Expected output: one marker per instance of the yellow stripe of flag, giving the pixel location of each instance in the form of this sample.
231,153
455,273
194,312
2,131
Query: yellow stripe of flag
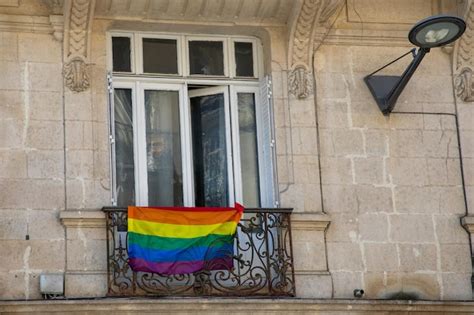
181,230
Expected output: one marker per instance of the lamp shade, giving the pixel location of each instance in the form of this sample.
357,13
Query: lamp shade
436,31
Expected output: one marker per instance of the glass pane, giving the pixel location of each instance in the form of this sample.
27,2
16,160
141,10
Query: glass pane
248,149
209,150
206,57
125,169
163,148
243,59
160,55
121,54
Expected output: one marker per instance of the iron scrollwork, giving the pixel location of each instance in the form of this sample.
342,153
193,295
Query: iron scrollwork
262,261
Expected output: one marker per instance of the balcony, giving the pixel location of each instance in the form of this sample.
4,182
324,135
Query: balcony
263,261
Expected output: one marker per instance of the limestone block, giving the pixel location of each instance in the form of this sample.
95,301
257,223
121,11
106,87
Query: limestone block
406,143
410,199
365,114
11,134
465,117
467,141
343,228
405,122
302,197
19,285
455,258
332,58
313,285
12,225
8,46
339,198
333,114
457,286
45,77
331,86
39,48
46,164
345,282
100,106
449,230
302,113
79,135
279,84
468,167
452,200
381,257
75,194
12,254
376,142
101,164
393,286
45,106
282,136
326,143
443,171
80,163
281,113
12,164
283,169
304,140
45,135
408,171
11,105
418,257
374,199
32,194
336,171
78,105
85,284
369,171
440,144
348,142
373,227
100,136
422,87
47,255
86,254
344,257
411,228
12,75
45,225
306,169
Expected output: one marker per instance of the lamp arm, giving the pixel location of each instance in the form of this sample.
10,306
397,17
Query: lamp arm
406,76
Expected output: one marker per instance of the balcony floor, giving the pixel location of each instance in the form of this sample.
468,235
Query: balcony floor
234,306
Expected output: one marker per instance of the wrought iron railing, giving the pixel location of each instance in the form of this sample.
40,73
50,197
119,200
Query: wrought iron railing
263,261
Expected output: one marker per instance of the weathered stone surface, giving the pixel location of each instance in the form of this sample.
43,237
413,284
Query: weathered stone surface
351,254
12,164
11,105
38,48
46,135
46,164
418,258
381,257
37,194
411,228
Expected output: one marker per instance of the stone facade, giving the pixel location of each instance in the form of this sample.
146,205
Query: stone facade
378,199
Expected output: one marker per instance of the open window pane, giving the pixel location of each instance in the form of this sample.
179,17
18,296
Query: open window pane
206,57
160,56
121,54
248,149
209,151
125,169
163,148
243,59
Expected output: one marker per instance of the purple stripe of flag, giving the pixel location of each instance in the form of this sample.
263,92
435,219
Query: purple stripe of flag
180,267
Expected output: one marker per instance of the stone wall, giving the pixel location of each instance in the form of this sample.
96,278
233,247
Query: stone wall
31,156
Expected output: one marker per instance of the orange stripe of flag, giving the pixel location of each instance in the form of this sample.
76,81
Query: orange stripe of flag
182,217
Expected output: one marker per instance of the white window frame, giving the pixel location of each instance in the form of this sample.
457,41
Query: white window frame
139,47
132,52
255,55
228,84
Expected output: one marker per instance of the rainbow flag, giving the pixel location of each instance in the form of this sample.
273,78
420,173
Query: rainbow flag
170,240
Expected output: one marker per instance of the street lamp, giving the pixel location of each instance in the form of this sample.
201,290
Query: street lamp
435,31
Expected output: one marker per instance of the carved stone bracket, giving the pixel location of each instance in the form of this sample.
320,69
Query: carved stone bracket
78,15
464,59
312,14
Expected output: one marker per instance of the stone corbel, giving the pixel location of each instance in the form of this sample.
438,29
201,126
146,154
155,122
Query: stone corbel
464,59
78,15
310,15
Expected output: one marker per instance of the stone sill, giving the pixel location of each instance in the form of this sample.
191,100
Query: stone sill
232,305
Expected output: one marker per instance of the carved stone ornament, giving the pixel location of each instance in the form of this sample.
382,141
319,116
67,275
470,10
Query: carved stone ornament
300,82
312,14
464,58
78,16
76,75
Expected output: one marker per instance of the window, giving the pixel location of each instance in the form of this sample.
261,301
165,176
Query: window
189,123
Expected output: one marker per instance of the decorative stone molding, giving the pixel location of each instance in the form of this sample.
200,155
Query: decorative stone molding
25,23
468,223
310,222
312,14
78,15
464,58
82,218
